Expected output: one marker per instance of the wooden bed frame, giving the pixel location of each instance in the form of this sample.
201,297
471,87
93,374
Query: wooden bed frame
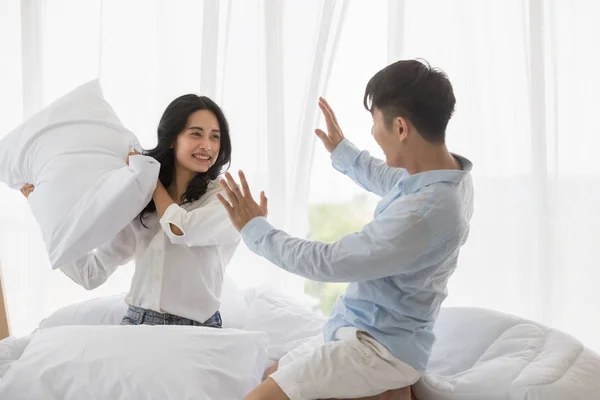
4,327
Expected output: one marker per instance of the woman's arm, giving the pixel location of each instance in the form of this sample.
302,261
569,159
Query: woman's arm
205,226
93,269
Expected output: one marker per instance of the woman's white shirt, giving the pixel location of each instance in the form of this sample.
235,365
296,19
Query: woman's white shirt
179,275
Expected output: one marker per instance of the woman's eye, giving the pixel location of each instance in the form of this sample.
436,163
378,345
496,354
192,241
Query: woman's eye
216,137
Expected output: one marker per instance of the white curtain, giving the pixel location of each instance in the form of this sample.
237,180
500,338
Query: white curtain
246,55
524,73
526,82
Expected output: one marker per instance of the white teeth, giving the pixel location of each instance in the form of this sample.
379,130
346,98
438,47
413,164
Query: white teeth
201,157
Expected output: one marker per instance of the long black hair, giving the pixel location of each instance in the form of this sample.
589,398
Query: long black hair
171,124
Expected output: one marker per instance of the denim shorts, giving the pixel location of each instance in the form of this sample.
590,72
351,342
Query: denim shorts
140,316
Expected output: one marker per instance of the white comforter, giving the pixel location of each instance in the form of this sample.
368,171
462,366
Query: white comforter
485,355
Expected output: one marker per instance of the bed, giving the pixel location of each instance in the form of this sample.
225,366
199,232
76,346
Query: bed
81,352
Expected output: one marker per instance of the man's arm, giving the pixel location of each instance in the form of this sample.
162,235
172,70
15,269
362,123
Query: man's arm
368,172
393,242
384,247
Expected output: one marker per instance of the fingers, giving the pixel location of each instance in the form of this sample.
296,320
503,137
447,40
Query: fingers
328,118
233,185
333,129
245,188
225,204
230,194
323,136
132,153
330,111
263,202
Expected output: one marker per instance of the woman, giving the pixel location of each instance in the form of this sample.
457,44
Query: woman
183,239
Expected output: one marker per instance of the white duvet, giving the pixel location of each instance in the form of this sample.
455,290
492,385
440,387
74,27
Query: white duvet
486,355
479,354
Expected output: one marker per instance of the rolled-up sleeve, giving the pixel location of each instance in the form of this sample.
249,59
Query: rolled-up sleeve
207,225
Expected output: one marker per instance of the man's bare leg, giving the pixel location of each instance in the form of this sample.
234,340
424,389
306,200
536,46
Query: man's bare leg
271,370
267,390
397,394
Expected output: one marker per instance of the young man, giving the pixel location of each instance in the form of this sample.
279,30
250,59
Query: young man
379,337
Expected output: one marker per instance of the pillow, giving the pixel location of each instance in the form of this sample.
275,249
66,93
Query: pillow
11,350
110,310
74,152
287,322
137,362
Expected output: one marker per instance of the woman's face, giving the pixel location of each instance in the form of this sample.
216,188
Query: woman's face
197,146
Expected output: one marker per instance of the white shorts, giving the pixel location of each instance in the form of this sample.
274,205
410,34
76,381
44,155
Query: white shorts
355,365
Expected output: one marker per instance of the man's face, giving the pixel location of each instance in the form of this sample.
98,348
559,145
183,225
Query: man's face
389,138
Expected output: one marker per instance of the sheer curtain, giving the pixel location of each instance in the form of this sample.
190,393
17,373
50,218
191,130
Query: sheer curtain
246,55
527,94
524,73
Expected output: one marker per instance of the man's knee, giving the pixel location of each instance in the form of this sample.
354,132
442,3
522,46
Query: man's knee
268,390
271,370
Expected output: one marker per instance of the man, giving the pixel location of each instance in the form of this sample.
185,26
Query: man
379,337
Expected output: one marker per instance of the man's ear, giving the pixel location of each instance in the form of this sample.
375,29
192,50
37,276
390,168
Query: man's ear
401,127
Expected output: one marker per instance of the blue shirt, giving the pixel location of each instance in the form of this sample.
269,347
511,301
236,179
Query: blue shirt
398,264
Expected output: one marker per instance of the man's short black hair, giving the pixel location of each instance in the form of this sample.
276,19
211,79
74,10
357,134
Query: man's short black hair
413,90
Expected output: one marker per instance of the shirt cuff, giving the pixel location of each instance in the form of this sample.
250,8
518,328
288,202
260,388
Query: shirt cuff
344,155
254,231
173,215
139,162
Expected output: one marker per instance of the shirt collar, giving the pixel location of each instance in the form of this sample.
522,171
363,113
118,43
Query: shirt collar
414,183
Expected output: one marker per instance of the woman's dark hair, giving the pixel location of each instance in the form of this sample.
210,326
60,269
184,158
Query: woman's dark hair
415,91
171,124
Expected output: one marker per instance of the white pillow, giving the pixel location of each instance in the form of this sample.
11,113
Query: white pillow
137,362
74,151
287,322
110,310
11,350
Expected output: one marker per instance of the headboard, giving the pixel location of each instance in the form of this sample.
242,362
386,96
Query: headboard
4,328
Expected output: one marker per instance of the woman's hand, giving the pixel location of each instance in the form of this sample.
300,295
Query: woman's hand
132,153
27,189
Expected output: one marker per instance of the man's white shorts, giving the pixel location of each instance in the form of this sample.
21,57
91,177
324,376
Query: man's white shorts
355,365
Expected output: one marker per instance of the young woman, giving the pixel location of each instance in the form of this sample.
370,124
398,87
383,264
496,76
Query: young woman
183,239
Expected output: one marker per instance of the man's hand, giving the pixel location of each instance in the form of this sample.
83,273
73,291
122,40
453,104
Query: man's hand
241,206
27,189
334,133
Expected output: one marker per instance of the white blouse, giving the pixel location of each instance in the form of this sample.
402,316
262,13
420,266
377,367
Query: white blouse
179,275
